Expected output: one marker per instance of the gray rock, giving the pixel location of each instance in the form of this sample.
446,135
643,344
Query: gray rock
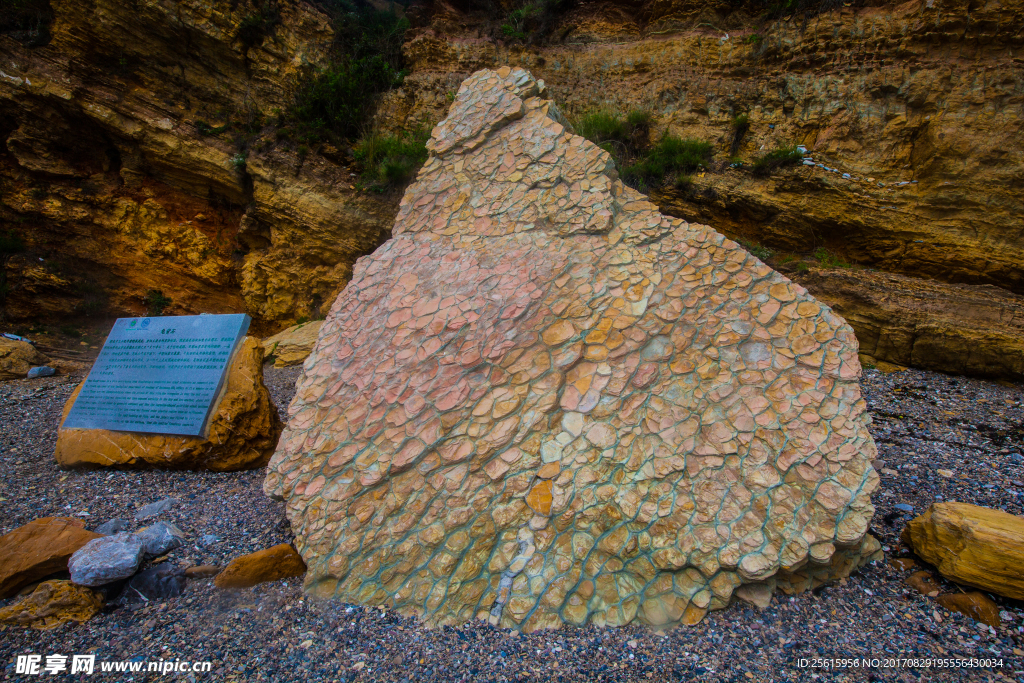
105,560
904,507
1016,457
41,371
808,162
111,527
154,509
208,539
156,583
160,538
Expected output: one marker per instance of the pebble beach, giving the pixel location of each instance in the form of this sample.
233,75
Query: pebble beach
938,437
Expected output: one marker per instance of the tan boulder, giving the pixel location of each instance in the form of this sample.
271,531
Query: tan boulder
269,564
242,434
51,604
292,346
38,549
972,545
544,402
17,358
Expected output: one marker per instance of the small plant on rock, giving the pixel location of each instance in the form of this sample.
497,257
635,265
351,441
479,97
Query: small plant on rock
768,163
156,302
391,160
740,126
761,252
828,259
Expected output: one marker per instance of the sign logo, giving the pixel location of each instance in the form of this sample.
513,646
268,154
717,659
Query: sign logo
145,323
132,324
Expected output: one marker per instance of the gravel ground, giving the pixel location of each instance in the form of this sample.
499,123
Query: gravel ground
971,430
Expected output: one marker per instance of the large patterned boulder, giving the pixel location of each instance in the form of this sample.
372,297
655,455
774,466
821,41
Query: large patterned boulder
543,402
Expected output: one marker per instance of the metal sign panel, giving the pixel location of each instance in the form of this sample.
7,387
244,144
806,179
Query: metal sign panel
159,375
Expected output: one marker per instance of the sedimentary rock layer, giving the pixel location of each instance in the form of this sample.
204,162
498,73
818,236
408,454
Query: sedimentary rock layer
544,402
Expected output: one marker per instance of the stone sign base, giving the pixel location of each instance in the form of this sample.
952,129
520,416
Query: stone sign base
242,435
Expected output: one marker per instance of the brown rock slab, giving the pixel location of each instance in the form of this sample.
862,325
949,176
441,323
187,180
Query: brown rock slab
203,571
971,545
270,564
544,402
241,435
975,604
17,358
38,549
52,604
924,583
293,345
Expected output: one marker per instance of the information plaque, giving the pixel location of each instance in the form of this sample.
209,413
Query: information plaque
159,375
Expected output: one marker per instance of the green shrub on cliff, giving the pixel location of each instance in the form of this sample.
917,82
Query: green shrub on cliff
667,159
532,21
367,61
643,165
391,160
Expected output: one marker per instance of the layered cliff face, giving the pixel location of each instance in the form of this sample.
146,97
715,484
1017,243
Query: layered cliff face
137,158
140,152
913,109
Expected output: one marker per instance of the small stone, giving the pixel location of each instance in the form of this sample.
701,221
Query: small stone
208,540
154,509
203,571
271,564
923,582
17,357
293,345
945,473
156,583
904,507
106,559
160,538
41,371
112,526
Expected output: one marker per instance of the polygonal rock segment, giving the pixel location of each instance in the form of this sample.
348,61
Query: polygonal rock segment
543,402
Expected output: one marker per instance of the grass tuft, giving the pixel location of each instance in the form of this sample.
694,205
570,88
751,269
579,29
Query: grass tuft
391,160
768,163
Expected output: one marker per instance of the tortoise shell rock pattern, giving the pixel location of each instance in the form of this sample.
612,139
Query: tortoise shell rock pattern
543,402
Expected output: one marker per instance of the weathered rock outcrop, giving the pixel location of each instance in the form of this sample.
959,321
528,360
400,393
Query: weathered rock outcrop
17,358
134,161
141,154
40,548
962,329
242,433
52,604
916,101
972,545
544,402
292,346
